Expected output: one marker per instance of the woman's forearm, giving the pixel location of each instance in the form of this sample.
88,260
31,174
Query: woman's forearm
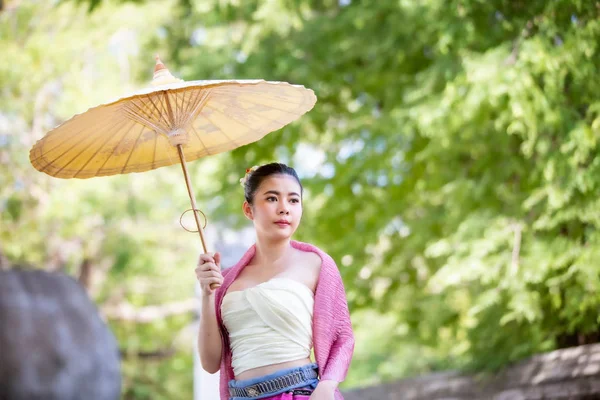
209,336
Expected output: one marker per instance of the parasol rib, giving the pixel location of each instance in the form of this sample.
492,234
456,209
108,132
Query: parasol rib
144,118
156,138
169,109
188,103
158,110
115,148
133,149
201,141
99,148
148,124
199,103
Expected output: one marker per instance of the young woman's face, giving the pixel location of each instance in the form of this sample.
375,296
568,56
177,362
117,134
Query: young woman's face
277,207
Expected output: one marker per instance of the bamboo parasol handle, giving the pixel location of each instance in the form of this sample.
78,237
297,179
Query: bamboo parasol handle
188,184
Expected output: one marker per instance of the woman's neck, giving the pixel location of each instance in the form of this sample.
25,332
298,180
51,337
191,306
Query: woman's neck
270,252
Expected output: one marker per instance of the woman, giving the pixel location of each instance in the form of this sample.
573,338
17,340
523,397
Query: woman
258,328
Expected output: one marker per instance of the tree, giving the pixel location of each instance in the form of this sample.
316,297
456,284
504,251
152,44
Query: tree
456,145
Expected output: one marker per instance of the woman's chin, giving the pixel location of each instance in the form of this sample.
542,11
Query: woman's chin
281,233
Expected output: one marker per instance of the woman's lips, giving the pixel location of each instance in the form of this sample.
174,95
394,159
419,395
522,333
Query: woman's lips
282,223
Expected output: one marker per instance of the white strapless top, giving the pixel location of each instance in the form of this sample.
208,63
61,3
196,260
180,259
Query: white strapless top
269,323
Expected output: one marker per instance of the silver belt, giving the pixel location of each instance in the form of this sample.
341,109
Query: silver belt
274,385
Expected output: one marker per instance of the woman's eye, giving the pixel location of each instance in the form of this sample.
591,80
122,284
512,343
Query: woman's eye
295,201
272,198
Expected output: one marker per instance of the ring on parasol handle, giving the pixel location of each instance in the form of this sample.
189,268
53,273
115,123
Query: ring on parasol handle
191,209
214,285
188,185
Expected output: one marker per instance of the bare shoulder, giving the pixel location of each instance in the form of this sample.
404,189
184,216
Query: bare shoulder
309,263
309,259
314,260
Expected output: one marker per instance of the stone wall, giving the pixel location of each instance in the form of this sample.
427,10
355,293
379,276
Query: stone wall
572,373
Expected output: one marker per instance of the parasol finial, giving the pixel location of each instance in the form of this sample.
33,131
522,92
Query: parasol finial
159,64
162,75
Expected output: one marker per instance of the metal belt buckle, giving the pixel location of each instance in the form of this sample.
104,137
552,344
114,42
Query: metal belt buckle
302,392
252,391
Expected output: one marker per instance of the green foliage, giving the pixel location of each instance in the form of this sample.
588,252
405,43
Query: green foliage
451,166
456,148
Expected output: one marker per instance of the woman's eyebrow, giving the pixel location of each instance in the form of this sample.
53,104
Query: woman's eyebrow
277,193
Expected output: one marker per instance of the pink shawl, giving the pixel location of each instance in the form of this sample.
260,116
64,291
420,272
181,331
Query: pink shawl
333,338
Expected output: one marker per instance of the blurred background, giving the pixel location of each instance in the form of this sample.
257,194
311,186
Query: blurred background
451,169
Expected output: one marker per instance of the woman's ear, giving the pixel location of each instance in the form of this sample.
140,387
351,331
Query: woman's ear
247,208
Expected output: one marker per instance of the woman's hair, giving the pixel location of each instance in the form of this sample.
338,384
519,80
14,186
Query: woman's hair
256,177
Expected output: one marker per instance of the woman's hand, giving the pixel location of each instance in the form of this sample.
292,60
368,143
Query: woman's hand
208,272
325,391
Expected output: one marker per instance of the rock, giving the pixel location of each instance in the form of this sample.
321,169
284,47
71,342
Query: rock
53,343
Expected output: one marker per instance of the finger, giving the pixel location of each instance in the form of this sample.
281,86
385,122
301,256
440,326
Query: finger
208,267
216,274
204,258
217,258
203,274
213,281
208,275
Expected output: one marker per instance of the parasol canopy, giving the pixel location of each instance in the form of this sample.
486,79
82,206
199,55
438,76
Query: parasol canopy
170,122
